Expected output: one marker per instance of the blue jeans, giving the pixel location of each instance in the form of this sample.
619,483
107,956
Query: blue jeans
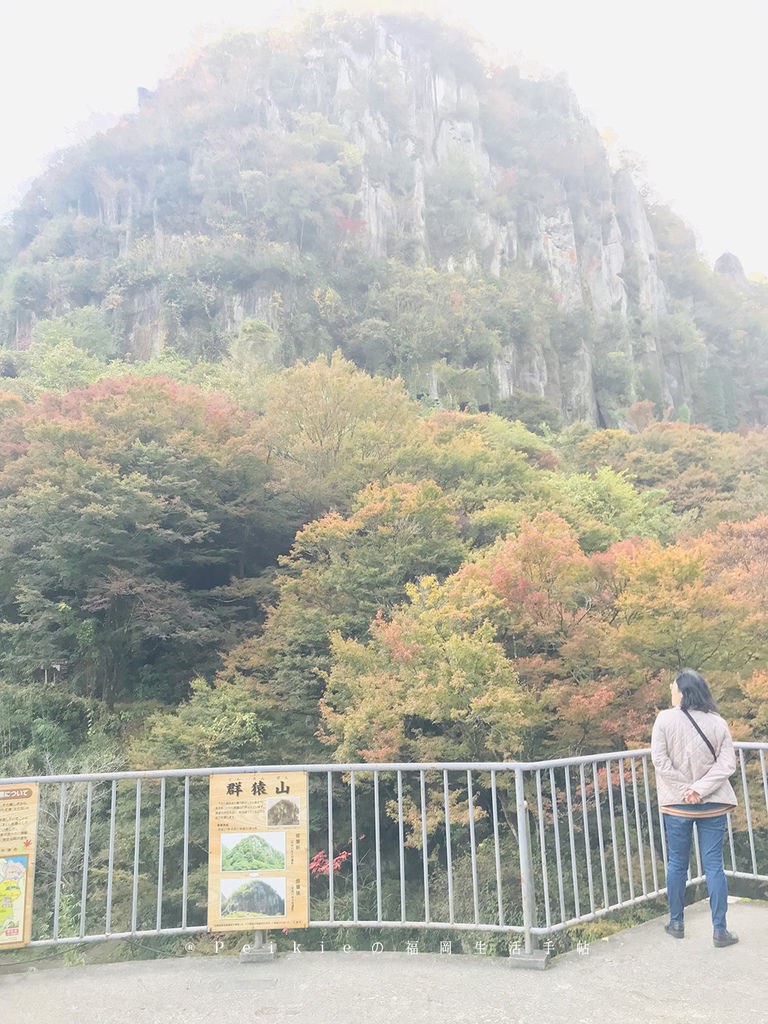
711,832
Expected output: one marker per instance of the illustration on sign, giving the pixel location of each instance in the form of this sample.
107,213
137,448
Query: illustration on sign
18,829
258,871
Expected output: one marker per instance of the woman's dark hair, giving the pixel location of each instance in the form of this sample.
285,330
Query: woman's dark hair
696,695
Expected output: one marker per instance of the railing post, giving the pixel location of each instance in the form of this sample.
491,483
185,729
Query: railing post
532,956
258,950
526,866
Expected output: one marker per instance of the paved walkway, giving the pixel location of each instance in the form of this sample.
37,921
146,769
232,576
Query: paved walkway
637,975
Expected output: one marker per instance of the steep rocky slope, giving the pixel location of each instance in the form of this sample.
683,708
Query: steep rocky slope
374,185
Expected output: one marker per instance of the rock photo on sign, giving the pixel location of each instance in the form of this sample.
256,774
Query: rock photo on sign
253,898
282,811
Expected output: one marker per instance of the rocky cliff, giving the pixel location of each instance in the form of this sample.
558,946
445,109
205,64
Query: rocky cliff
253,899
289,180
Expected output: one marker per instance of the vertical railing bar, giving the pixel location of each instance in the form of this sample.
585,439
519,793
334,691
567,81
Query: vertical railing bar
496,850
59,855
448,857
651,835
41,801
527,890
161,855
111,866
472,847
764,776
748,810
600,836
136,847
330,846
86,855
663,835
558,854
543,849
614,837
424,846
697,850
401,836
572,842
730,843
587,844
638,826
625,815
353,819
185,868
377,831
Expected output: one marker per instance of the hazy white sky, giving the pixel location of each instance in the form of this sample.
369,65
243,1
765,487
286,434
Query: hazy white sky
681,82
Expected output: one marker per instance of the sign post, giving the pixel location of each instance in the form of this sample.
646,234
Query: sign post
258,868
18,835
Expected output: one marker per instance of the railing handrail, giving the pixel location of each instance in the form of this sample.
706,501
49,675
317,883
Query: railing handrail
334,766
359,766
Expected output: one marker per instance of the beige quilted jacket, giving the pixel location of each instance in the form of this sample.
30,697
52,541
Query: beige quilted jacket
683,761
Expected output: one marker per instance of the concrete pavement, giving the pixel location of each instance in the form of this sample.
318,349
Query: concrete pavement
638,975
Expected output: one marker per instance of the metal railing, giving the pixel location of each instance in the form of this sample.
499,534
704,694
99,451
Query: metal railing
526,849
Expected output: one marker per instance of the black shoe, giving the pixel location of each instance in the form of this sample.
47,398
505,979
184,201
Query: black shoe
677,929
725,939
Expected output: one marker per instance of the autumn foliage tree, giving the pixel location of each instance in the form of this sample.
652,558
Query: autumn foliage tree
328,429
584,641
326,563
340,573
134,513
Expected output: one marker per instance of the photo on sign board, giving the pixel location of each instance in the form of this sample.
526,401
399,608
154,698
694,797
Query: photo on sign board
283,811
252,897
252,851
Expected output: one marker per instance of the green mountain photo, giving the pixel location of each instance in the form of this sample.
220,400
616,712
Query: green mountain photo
254,852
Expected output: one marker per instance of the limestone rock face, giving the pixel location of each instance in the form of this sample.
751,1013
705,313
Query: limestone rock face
453,165
255,897
583,245
639,242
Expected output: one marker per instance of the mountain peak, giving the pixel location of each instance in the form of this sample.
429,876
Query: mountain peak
371,184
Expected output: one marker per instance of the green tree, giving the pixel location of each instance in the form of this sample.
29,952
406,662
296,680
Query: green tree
136,522
86,327
328,429
606,508
340,573
423,689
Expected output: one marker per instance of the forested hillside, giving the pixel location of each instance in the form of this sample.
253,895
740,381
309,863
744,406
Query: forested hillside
458,586
352,407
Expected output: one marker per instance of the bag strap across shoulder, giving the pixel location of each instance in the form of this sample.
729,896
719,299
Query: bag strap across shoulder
692,720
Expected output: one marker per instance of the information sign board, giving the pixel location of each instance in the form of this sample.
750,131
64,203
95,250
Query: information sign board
258,867
18,832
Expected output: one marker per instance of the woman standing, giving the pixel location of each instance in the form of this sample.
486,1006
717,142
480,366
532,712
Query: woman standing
693,755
